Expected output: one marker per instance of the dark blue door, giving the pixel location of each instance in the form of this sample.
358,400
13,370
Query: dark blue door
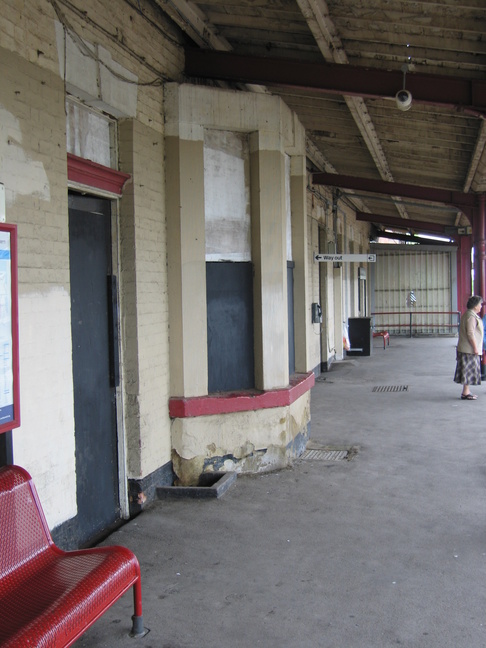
94,391
229,291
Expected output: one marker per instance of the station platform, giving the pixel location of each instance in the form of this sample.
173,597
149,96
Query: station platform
374,538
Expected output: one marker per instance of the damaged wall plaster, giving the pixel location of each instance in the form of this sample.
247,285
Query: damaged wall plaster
275,437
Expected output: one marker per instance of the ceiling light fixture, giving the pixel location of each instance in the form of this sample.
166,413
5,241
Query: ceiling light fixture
403,97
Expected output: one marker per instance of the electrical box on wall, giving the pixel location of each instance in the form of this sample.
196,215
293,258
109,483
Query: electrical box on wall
2,203
316,314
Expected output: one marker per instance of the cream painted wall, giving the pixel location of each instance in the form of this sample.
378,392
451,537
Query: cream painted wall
144,299
44,444
257,440
33,170
335,288
272,129
227,196
142,230
186,257
270,266
314,270
299,239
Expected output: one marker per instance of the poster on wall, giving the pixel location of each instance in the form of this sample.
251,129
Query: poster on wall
9,346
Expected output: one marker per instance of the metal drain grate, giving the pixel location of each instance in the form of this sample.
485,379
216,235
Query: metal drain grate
325,455
390,388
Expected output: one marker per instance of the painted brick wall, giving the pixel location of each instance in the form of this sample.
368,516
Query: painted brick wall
352,237
33,169
27,29
143,250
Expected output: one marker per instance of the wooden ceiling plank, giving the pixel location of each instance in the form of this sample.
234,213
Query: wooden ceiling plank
216,15
372,4
429,141
221,21
277,4
387,54
193,22
270,39
412,40
433,22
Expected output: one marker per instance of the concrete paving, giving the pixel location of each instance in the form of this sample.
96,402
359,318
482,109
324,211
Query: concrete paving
385,549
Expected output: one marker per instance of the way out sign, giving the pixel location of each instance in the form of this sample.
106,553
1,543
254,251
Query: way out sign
343,258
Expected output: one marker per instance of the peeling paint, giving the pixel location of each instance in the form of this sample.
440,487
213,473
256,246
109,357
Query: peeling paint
16,165
187,471
242,442
274,457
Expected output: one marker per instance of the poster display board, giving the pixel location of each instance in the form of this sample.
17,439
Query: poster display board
9,337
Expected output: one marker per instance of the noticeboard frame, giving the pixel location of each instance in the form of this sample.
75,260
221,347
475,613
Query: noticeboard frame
9,330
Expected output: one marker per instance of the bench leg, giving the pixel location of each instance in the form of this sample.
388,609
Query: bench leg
138,629
385,337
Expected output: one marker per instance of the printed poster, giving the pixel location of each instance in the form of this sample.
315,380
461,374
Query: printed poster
6,356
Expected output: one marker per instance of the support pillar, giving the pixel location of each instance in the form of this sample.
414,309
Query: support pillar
464,268
186,264
479,234
300,243
269,247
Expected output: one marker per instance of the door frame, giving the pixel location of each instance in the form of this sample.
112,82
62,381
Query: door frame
119,390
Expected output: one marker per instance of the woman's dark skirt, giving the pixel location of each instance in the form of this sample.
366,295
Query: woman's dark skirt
468,369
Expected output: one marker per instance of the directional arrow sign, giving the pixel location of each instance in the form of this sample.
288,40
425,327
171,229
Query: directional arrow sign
343,258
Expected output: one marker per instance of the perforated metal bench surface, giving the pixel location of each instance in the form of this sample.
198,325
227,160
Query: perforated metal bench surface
50,597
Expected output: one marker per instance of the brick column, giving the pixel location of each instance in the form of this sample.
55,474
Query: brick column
298,205
187,265
269,248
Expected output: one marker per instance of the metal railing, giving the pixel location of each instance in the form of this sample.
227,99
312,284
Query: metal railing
406,321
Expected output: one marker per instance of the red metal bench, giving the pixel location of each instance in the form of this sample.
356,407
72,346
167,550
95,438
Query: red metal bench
50,597
385,335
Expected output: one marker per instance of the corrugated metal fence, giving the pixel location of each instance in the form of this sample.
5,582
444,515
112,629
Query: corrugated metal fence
413,291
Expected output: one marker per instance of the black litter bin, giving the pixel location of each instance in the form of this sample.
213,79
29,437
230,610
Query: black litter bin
360,336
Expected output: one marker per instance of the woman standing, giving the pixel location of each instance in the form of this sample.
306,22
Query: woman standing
470,348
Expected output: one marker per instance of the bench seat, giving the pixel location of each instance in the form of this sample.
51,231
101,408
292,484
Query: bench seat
50,597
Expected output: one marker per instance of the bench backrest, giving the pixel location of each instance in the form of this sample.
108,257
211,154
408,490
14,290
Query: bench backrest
24,533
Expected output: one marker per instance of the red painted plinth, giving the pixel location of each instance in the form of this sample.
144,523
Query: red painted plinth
241,401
